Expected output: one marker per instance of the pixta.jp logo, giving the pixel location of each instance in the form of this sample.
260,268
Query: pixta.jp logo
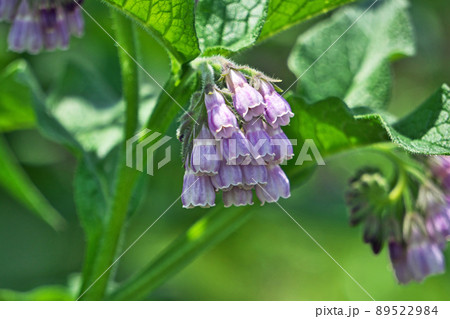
141,148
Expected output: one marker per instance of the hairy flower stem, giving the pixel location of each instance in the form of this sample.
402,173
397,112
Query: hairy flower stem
107,246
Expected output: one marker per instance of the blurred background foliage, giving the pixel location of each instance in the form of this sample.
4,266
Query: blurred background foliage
269,258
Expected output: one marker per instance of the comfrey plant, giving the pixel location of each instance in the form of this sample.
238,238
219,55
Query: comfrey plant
238,132
38,25
236,145
412,217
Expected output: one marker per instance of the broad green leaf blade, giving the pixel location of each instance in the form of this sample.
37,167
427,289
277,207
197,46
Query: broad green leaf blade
427,129
334,128
16,109
170,21
283,14
228,25
15,181
93,117
356,68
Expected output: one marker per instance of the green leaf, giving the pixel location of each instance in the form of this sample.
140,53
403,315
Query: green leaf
427,129
229,25
15,181
356,68
169,21
16,110
93,117
334,128
46,293
283,14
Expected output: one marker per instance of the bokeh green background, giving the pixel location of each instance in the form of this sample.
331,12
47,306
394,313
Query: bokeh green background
270,257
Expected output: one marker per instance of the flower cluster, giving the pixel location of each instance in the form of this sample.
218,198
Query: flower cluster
416,233
42,24
239,146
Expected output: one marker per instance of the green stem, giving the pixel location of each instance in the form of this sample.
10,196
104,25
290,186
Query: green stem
97,280
204,234
125,35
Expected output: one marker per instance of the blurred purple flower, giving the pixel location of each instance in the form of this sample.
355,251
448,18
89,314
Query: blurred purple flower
440,166
44,25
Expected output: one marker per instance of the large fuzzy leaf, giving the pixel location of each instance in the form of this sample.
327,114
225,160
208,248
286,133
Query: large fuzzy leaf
170,21
283,14
229,25
356,67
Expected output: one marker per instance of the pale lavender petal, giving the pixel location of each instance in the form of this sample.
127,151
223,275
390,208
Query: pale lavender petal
205,156
221,120
197,191
397,254
277,186
278,111
236,149
253,175
260,143
20,33
7,9
229,176
281,145
238,197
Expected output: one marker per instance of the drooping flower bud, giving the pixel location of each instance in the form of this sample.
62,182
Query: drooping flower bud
247,101
221,120
25,34
366,195
197,190
277,185
281,145
436,208
373,233
205,157
7,9
75,19
55,31
260,142
236,149
228,176
398,256
38,25
440,166
278,111
253,175
238,197
438,222
424,257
